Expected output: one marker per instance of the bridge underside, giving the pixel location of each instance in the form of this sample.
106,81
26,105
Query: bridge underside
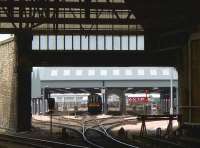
100,84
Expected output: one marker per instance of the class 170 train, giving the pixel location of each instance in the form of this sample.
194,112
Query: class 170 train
94,104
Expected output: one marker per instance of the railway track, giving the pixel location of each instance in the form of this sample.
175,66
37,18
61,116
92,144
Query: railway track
94,131
36,143
98,137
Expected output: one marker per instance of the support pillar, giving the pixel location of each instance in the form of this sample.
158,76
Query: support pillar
35,106
123,102
119,92
189,81
45,106
23,41
44,96
24,100
39,106
105,104
32,110
177,101
171,93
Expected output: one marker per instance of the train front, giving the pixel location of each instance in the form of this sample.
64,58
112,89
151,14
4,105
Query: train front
94,104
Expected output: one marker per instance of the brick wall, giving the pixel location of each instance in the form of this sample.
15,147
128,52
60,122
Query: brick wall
8,84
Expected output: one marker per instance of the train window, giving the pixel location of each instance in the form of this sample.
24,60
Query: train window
96,99
99,99
90,100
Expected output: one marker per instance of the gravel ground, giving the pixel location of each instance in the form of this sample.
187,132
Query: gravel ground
134,129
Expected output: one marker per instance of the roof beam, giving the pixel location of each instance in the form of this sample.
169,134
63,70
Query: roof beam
99,58
67,20
48,31
55,4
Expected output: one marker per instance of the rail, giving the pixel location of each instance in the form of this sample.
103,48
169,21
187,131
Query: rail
38,143
105,135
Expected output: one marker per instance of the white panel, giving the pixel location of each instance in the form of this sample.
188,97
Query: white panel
116,42
84,42
124,42
165,72
140,72
103,72
79,72
116,72
76,42
101,42
67,72
52,42
109,43
91,72
92,42
132,42
43,42
35,43
68,42
60,42
54,73
140,42
128,72
153,72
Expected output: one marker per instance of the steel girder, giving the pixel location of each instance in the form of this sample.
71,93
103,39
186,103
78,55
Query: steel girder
85,17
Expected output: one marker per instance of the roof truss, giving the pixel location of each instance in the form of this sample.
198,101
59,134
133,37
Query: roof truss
67,16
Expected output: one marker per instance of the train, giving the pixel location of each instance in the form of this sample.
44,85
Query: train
94,104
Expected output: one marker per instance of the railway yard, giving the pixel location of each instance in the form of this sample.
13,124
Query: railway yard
99,131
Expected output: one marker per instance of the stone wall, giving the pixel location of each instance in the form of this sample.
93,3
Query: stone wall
8,89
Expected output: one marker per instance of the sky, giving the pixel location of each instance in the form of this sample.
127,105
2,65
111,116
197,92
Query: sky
4,36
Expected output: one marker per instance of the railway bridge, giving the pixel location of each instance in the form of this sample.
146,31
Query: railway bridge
107,81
